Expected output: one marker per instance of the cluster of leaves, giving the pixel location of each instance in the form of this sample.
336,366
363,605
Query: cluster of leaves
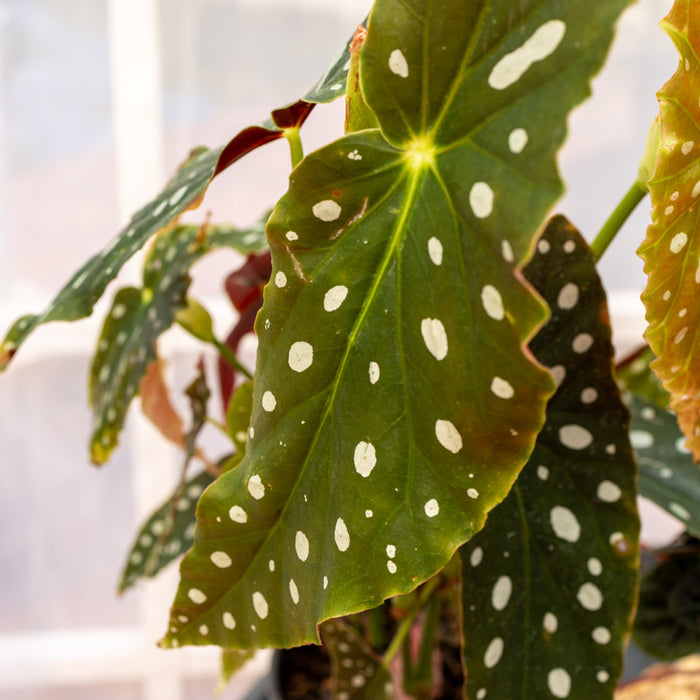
434,418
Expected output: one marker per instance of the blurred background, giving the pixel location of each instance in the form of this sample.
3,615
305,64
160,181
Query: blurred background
99,102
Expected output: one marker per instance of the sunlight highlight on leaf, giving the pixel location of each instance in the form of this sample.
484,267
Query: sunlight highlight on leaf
671,251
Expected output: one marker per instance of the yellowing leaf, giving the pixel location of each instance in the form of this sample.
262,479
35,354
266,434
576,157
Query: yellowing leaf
671,250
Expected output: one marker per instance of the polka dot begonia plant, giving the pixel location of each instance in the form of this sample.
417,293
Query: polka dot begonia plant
431,470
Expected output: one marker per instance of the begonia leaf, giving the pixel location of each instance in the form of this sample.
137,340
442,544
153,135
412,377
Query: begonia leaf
394,404
127,344
667,474
634,375
671,251
166,534
549,583
157,406
358,673
667,624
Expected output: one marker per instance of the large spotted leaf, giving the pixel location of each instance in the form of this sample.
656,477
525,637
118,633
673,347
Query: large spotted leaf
394,405
671,250
127,344
667,474
184,191
549,583
166,534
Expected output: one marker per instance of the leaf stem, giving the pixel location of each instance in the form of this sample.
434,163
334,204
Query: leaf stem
627,205
295,146
231,359
406,624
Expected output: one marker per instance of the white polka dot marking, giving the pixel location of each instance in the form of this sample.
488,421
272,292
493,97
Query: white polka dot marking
590,597
517,140
269,402
609,492
292,236
494,652
256,488
550,624
431,508
335,297
196,596
641,439
221,559
601,635
582,343
398,64
500,596
502,389
327,210
540,45
229,621
595,567
341,535
280,280
589,395
476,556
448,436
678,242
492,302
679,511
481,198
435,251
260,605
575,437
301,544
374,372
568,296
602,676
507,251
365,458
293,591
434,337
559,683
565,524
301,356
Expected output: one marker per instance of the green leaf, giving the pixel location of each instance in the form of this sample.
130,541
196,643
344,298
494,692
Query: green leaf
238,415
672,245
127,343
667,624
358,673
196,320
549,584
634,375
166,535
394,405
232,661
667,474
137,317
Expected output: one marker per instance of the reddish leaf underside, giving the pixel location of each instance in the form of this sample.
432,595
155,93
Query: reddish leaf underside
671,251
549,583
394,405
